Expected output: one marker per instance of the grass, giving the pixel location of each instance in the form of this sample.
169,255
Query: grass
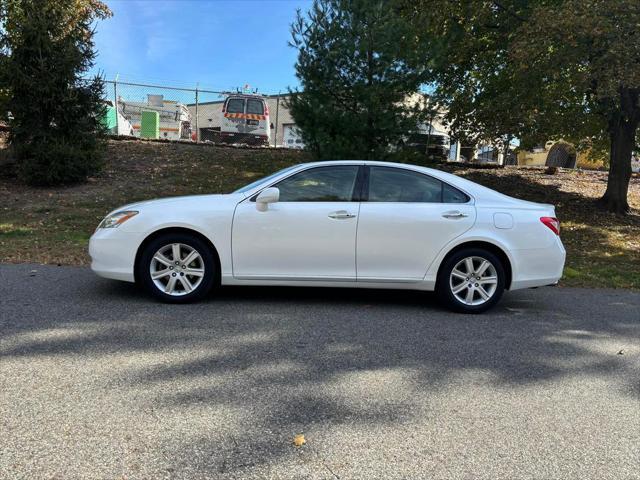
9,230
53,225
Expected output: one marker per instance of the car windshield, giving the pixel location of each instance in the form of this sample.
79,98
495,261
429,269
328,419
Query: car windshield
252,185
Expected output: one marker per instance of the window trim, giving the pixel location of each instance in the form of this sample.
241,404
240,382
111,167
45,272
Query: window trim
356,192
365,196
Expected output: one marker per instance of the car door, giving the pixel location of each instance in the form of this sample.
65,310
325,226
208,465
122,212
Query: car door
309,234
406,218
233,117
256,119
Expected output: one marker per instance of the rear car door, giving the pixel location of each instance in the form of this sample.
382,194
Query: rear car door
405,219
257,119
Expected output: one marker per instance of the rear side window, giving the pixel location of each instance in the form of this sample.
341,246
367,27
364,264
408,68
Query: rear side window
323,184
405,186
235,105
453,195
255,106
398,185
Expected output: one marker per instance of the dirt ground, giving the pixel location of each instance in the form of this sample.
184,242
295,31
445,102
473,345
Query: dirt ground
53,225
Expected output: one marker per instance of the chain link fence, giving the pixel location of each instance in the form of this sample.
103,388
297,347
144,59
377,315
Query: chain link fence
240,117
198,115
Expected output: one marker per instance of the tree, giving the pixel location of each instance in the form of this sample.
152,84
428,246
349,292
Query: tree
355,78
540,70
55,128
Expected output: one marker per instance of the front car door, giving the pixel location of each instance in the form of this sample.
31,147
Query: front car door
406,218
309,234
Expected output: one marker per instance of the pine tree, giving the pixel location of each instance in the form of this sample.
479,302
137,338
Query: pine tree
355,88
55,128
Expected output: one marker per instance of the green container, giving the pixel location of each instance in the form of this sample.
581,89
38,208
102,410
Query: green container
150,125
109,119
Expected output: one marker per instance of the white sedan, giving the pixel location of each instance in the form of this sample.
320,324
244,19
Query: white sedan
337,224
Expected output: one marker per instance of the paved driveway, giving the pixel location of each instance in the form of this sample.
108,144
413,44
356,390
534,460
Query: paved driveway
97,381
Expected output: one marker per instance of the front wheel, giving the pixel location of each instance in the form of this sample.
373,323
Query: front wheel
471,281
177,268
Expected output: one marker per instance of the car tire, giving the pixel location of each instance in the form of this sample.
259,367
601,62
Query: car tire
473,292
184,278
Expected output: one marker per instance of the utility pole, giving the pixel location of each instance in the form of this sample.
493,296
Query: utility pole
197,124
275,135
115,102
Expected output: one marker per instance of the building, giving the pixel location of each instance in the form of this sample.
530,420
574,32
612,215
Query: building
209,113
283,131
174,117
490,154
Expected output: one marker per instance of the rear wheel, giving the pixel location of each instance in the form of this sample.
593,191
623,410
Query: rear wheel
177,268
471,280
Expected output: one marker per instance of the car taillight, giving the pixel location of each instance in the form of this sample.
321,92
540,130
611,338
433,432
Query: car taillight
553,223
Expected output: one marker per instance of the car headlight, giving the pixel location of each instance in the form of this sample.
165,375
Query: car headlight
116,219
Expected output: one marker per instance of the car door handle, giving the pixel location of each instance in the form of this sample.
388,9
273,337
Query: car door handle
454,215
340,214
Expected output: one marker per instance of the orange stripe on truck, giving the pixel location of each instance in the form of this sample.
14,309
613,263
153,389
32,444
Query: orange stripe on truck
250,116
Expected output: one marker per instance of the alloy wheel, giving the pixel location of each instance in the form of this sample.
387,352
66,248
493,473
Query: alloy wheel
177,269
473,280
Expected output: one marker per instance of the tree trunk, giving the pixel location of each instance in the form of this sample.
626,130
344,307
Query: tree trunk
622,132
372,140
507,150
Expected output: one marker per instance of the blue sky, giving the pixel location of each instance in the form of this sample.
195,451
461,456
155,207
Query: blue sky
220,44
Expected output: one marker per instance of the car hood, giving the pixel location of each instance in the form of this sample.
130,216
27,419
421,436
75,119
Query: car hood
186,199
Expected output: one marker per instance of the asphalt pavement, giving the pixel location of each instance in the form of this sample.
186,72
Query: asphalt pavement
98,381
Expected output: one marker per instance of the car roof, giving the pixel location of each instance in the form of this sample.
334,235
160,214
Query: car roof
439,174
378,163
476,191
245,95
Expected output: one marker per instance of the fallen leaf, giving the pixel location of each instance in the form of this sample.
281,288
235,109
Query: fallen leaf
299,440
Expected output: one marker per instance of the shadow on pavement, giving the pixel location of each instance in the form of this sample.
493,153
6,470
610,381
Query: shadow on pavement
290,359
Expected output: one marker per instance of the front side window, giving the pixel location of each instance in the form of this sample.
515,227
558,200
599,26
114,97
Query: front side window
235,105
324,184
255,106
399,185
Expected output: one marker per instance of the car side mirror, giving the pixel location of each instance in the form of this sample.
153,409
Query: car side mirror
265,197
